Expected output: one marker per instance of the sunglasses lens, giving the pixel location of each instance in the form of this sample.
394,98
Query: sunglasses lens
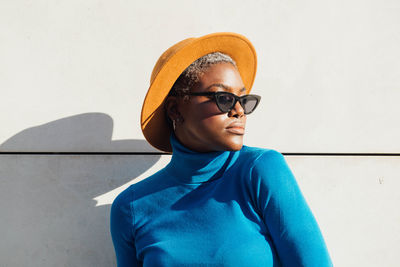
225,102
249,103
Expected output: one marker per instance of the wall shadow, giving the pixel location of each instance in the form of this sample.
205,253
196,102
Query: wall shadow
49,215
87,132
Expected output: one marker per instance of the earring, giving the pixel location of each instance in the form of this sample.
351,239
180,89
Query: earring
174,124
175,121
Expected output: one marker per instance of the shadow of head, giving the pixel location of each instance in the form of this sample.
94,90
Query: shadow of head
88,132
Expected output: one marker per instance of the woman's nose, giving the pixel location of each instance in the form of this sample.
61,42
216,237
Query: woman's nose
237,110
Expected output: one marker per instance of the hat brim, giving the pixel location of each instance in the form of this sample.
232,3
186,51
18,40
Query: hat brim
154,125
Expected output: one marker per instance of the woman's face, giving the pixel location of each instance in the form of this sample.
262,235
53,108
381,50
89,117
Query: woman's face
204,127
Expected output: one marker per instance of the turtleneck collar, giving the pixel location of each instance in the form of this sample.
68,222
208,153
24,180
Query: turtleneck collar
191,167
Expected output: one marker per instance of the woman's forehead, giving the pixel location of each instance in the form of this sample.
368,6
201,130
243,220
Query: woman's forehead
221,77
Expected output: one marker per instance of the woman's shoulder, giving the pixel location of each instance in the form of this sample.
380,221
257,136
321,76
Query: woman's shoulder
140,189
263,162
268,166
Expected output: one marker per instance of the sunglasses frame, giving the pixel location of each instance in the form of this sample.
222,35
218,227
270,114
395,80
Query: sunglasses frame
237,98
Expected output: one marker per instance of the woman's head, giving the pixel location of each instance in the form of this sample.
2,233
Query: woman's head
199,123
169,72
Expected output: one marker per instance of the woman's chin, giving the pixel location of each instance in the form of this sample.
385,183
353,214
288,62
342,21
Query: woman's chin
235,143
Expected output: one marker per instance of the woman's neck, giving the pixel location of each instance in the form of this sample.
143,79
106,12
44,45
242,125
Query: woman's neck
193,167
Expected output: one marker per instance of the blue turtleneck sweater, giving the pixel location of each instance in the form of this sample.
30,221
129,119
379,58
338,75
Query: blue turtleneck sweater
230,208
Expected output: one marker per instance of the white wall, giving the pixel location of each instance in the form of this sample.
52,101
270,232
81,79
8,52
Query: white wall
73,75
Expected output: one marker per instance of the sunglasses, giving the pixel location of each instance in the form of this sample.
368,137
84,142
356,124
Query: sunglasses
226,101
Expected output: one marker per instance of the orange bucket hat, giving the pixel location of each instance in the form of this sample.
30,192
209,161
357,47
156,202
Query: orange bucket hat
174,61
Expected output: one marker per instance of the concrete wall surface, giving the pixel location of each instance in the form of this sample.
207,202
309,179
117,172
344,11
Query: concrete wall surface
73,75
328,71
55,209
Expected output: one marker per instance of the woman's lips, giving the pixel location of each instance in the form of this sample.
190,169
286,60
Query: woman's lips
236,128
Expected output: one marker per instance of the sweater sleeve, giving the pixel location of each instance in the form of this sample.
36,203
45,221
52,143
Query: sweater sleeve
121,227
291,224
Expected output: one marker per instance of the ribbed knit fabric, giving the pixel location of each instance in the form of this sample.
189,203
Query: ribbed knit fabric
241,208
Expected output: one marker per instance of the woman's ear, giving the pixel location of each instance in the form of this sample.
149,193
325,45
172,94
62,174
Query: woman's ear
172,109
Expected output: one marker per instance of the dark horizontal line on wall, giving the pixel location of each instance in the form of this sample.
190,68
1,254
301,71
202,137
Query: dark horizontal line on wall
84,153
164,153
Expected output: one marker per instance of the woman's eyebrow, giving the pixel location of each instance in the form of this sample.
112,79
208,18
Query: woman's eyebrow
224,87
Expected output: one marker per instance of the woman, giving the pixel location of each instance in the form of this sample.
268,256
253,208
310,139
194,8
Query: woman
218,202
